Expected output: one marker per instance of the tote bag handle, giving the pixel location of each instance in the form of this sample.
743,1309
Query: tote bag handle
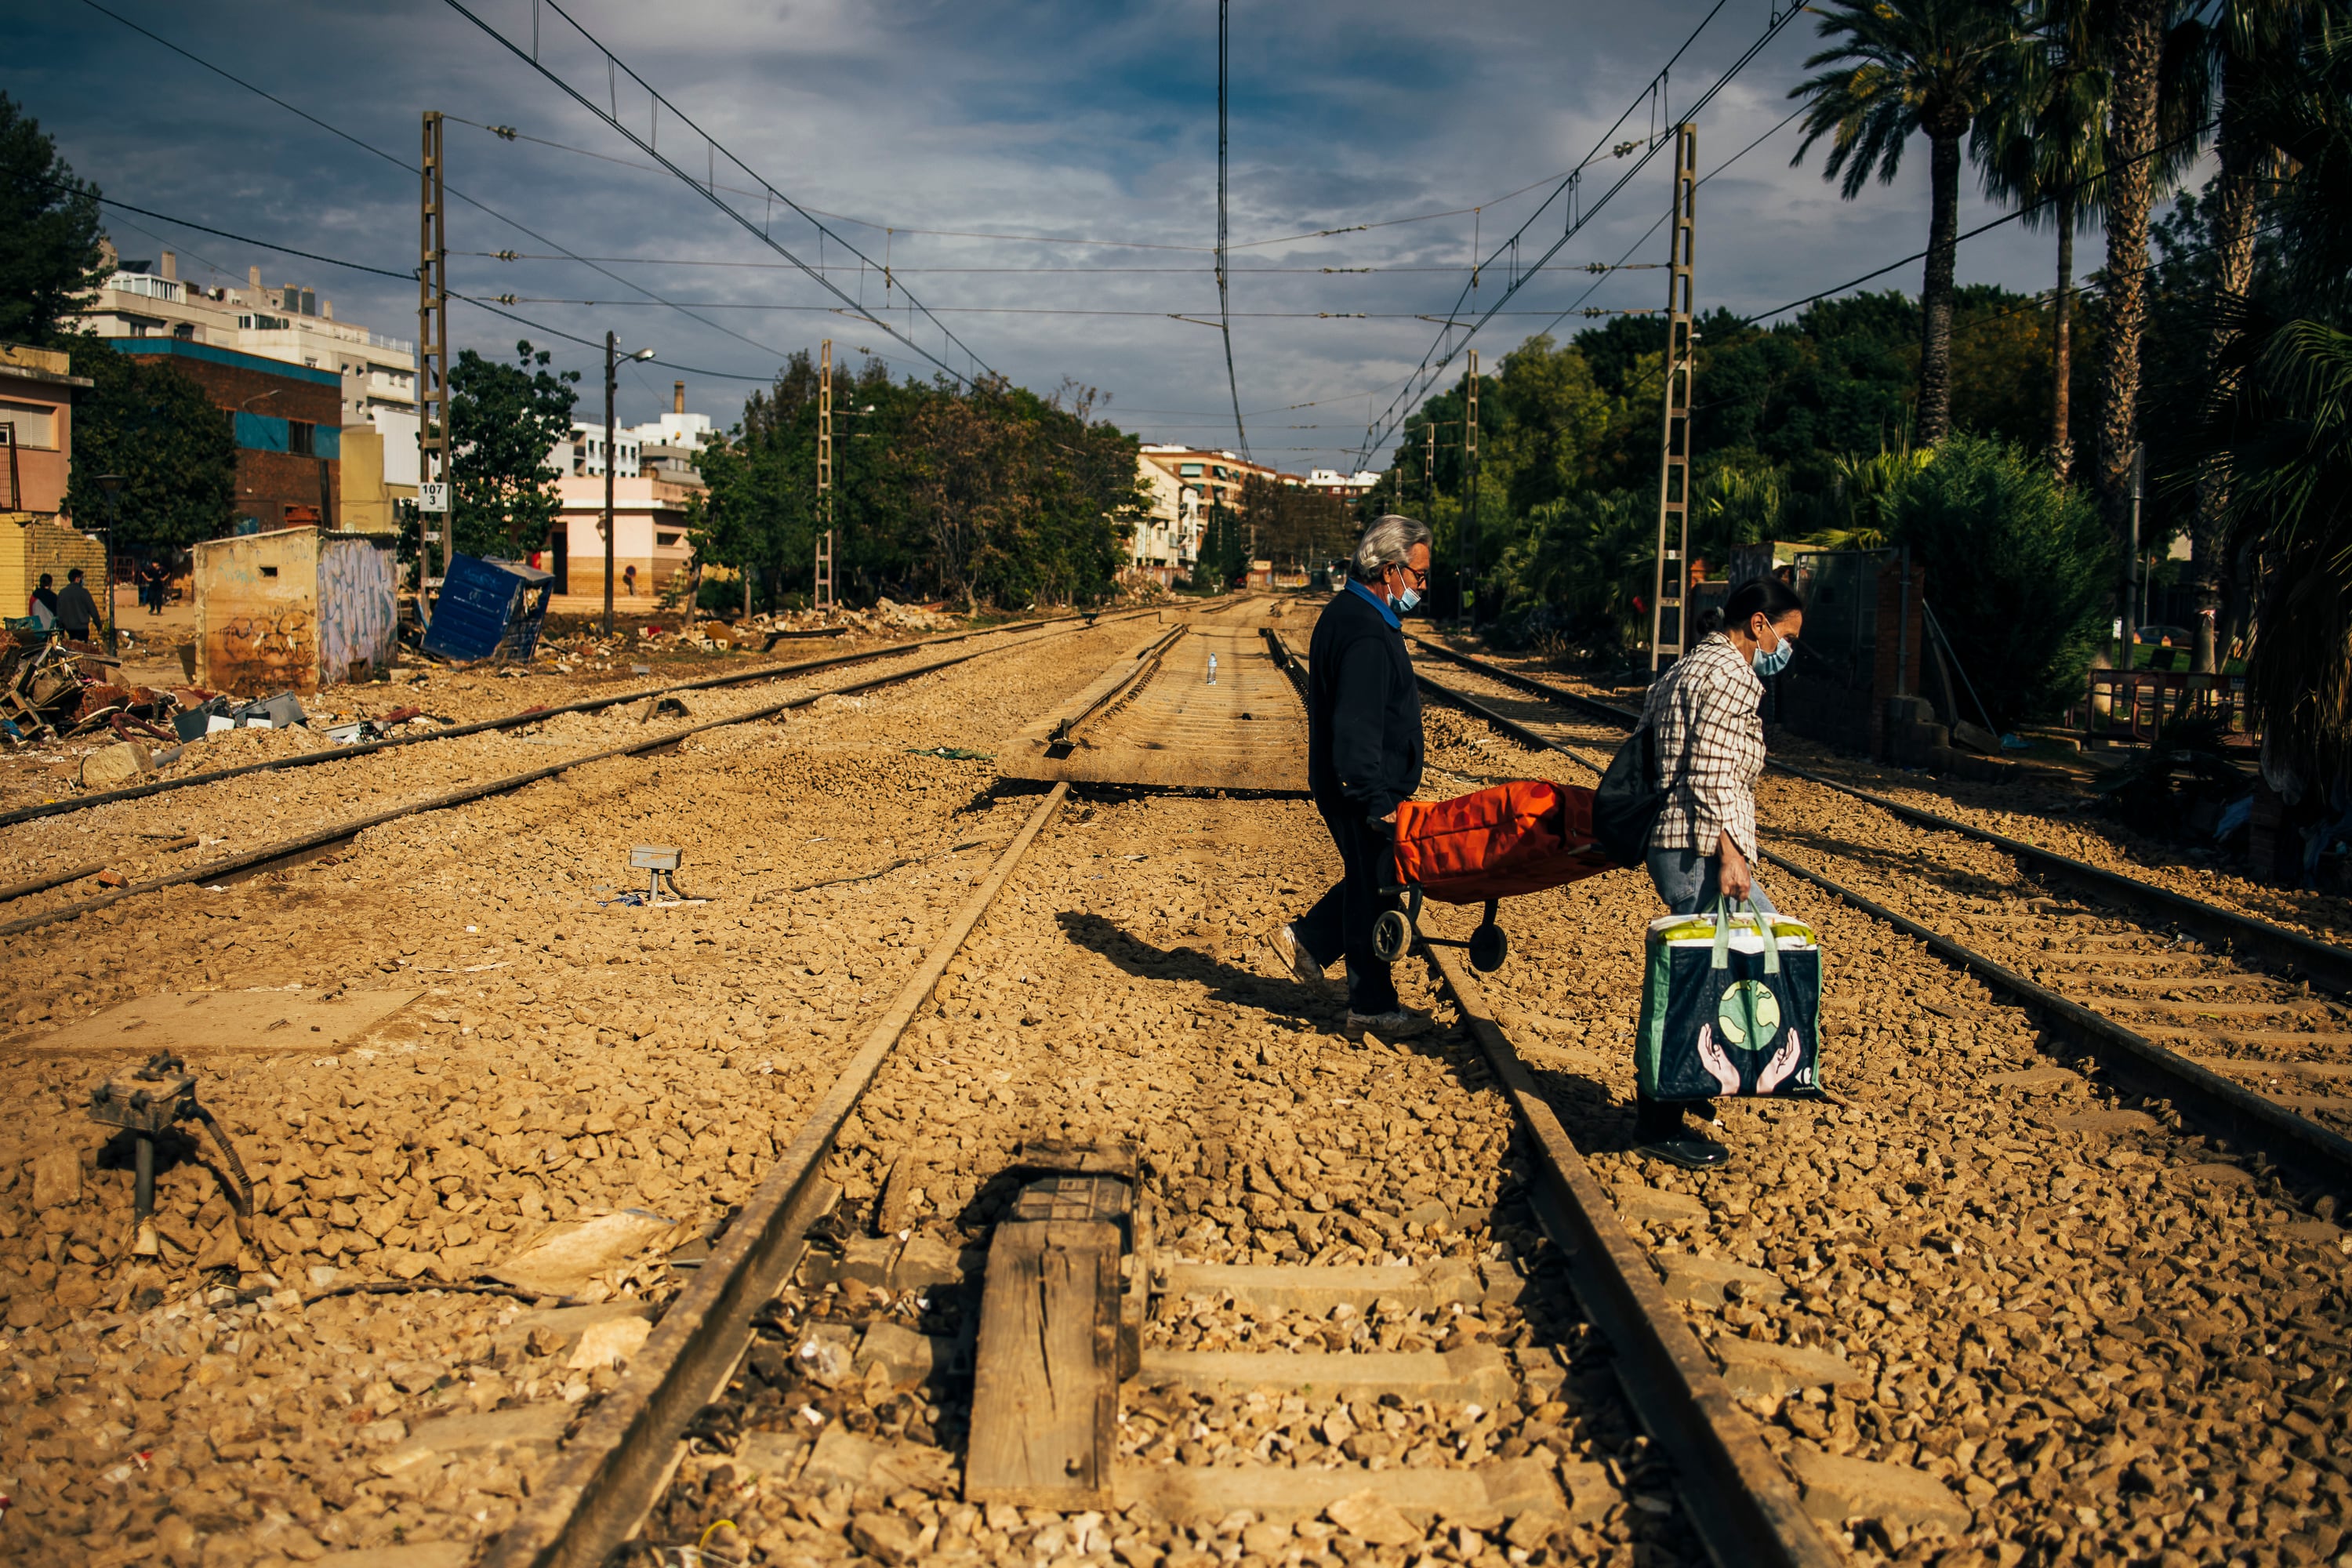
1723,913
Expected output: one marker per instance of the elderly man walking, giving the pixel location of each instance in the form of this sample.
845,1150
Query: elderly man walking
1363,756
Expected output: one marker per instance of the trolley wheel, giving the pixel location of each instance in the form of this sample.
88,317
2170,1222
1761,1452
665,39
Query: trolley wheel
1488,947
1392,934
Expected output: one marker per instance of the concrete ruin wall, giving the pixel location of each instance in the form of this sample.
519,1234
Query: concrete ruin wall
358,608
257,612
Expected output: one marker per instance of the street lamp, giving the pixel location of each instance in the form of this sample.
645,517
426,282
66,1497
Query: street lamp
612,461
111,486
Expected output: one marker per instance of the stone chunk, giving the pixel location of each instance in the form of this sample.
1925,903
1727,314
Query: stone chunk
1650,1206
563,1258
883,1536
110,767
526,1427
609,1343
841,1458
413,1555
1753,1369
1838,1490
1367,1518
1591,1493
1702,1280
2221,1172
2035,1080
56,1179
2107,1119
906,1355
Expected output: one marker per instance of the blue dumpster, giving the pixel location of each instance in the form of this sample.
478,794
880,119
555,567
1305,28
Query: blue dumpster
488,609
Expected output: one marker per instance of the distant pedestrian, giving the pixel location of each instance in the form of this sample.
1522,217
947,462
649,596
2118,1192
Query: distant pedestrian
152,581
1703,716
76,611
42,605
1364,752
629,576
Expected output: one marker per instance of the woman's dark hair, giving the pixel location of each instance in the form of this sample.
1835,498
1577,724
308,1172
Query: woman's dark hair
1774,597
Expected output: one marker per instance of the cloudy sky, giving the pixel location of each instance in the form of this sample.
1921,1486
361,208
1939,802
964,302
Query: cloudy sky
924,126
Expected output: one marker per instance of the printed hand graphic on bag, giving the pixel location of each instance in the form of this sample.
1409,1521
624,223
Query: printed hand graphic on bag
1730,1006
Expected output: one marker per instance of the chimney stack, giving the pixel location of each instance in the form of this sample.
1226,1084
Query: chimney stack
171,266
677,395
253,280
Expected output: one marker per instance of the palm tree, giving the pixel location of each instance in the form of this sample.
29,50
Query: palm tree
2251,42
2043,144
1902,65
2134,55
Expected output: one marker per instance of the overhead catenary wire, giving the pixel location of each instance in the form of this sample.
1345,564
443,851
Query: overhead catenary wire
1224,306
408,168
1441,353
509,134
708,189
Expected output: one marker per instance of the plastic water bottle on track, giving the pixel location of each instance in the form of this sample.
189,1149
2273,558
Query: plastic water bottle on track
1213,669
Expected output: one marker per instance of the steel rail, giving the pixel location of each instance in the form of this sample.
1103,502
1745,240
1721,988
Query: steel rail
510,721
2202,1095
1738,1497
610,1474
2306,957
265,855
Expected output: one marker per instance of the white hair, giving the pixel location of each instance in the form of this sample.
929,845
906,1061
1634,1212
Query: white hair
1389,542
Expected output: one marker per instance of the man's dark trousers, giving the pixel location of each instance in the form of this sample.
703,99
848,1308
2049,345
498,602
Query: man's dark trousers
1341,923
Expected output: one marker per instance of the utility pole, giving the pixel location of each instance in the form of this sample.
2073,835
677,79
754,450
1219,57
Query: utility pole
1470,512
1670,600
612,461
823,598
1429,466
432,367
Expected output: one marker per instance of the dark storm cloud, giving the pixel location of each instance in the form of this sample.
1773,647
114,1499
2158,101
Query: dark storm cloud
1092,121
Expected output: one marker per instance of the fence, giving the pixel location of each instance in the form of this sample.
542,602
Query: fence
2139,702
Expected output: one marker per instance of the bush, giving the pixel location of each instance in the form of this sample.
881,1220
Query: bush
2018,571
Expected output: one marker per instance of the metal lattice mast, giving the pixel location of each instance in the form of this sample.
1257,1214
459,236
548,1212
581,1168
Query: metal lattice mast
1669,604
1470,511
824,595
432,358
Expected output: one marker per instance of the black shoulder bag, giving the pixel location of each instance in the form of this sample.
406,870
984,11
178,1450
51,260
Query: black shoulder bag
1626,804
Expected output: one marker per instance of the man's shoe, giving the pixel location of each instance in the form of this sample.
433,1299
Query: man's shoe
1293,956
1688,1150
1400,1024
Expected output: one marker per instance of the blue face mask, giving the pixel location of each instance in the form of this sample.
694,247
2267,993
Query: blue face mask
1407,599
1774,662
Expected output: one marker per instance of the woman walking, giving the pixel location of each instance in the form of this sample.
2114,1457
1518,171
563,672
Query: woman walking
1703,716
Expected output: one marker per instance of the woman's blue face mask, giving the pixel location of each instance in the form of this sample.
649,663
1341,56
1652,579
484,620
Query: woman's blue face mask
1776,660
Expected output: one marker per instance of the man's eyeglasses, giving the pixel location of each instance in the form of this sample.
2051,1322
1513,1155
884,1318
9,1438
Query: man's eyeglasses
1420,579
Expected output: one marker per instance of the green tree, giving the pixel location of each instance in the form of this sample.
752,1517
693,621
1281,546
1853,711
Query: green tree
1901,66
504,420
49,232
145,421
2017,566
2254,43
2283,452
2042,145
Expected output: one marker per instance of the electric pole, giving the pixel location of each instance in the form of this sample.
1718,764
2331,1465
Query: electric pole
612,461
823,598
1470,511
1670,600
432,369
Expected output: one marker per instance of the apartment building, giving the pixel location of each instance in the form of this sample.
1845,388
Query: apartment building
291,323
1348,486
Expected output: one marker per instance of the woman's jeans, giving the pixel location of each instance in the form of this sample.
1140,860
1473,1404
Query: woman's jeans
1689,883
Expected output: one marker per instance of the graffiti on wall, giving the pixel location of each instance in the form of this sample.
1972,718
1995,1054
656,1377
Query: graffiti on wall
358,608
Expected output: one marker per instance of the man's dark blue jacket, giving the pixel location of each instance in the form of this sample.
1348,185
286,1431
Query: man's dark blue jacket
1363,709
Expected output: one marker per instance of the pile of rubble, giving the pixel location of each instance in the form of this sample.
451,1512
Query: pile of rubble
53,691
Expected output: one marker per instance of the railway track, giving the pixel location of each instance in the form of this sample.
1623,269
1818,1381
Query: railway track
527,718
1123,1252
1272,1296
280,853
2181,1001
